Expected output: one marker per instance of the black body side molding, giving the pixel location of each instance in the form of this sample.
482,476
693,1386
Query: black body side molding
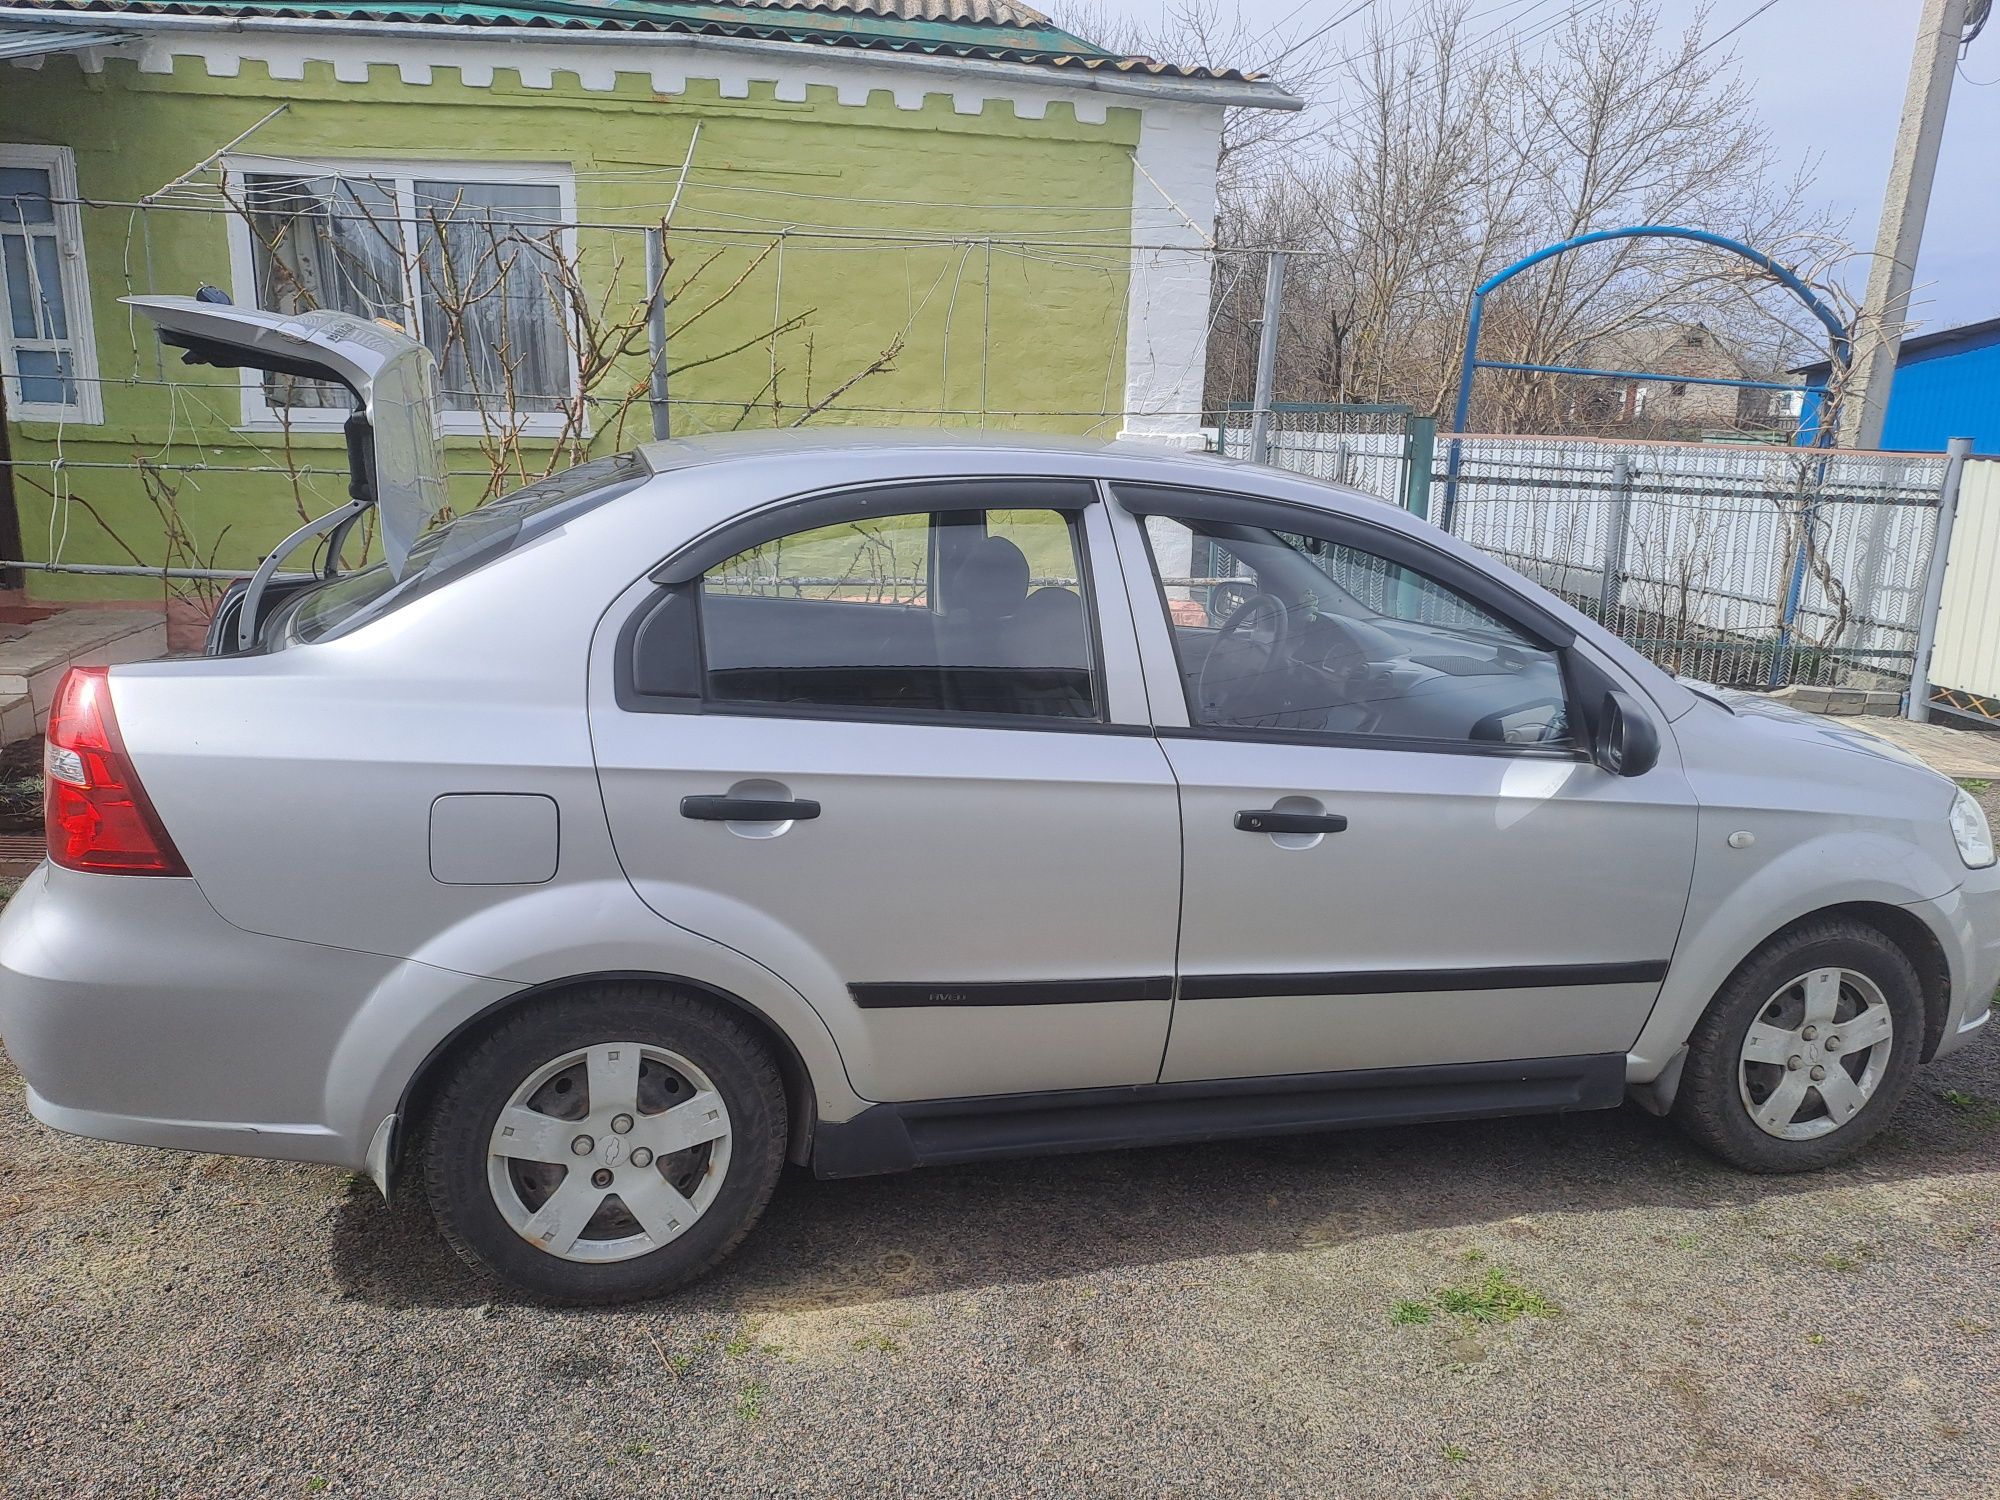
906,996
1419,981
933,1132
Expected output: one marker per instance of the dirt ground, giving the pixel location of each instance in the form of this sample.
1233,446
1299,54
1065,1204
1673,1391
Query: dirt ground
1581,1306
1577,1306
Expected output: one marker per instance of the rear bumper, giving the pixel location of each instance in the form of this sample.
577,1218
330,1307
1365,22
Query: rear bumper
137,1014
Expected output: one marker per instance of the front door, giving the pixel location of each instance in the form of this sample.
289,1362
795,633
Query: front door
878,748
1397,852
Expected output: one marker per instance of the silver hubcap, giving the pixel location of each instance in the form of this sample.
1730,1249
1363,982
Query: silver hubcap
1815,1054
608,1152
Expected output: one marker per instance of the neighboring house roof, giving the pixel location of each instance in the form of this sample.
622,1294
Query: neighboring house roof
1669,349
1925,345
986,30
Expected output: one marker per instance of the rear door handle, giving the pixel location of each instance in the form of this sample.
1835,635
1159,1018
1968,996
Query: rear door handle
1271,820
747,810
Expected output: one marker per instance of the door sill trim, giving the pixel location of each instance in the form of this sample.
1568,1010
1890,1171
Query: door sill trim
936,1132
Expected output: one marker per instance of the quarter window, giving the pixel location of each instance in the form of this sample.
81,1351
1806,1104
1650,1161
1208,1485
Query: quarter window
976,612
1295,633
470,262
46,353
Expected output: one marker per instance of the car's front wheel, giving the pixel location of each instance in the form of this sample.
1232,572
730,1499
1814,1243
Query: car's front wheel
606,1144
1806,1051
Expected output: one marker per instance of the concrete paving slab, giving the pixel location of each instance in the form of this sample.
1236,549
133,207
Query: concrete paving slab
1962,754
33,661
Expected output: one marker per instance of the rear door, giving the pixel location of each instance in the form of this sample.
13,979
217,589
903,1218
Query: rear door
1398,851
892,743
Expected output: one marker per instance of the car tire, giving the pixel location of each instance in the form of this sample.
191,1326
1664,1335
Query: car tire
1733,1079
574,1075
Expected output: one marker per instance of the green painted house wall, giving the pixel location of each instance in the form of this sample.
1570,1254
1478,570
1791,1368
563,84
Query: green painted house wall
1001,335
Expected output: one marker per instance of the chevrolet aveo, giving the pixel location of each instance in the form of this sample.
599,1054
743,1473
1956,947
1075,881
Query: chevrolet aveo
869,802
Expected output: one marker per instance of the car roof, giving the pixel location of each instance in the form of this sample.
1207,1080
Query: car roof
821,457
714,447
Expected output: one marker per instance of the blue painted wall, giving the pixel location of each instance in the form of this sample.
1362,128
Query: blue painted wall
1946,392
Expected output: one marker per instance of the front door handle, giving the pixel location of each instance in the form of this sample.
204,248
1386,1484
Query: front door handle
1275,820
748,810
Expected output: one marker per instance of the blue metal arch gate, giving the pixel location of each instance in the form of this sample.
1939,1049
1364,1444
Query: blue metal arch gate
1470,363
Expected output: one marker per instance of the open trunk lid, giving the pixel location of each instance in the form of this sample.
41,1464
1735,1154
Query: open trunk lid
395,458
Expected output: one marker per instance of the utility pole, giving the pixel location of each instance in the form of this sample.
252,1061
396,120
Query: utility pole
1879,329
656,330
1267,357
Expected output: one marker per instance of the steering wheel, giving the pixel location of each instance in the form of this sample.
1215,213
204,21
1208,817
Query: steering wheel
1256,633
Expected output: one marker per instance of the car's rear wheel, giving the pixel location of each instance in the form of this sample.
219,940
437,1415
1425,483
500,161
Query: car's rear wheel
1806,1051
605,1144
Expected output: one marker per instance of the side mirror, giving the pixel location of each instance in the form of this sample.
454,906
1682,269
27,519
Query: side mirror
1628,742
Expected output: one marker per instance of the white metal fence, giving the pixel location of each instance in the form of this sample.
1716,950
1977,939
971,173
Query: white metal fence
1740,564
1965,665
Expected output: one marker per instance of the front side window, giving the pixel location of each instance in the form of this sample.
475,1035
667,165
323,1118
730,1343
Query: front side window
474,266
46,354
1289,632
964,612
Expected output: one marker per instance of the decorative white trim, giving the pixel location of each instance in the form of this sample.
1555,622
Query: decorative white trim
667,67
780,56
81,342
1166,321
258,415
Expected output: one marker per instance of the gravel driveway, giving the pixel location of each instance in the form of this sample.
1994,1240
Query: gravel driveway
1558,1307
1577,1306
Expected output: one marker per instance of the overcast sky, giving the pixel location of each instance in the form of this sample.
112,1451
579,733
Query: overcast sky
1829,77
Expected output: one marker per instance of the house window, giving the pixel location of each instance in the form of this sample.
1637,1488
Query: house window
470,260
47,354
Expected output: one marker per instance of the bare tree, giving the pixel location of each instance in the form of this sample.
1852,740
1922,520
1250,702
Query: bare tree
1449,151
1297,55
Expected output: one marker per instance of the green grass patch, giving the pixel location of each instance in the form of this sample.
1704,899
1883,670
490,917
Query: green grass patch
1976,1109
21,798
1497,1299
1977,785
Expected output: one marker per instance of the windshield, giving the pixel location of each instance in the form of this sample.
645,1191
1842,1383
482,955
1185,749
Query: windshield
462,545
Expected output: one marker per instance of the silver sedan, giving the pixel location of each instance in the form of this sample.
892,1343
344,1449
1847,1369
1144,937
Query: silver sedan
875,801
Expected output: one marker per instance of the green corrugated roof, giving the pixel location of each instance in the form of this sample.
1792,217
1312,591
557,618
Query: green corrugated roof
1001,30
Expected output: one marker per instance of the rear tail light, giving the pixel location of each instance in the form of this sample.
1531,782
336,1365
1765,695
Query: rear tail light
99,818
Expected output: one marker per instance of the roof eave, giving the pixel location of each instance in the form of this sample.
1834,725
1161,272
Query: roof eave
1938,341
1178,88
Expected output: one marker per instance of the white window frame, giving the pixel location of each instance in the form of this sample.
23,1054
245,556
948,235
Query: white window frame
88,409
258,414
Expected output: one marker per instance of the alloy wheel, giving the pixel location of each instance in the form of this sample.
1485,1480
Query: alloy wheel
608,1152
1815,1054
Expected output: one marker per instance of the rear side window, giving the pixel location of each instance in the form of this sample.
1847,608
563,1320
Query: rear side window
977,613
462,545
